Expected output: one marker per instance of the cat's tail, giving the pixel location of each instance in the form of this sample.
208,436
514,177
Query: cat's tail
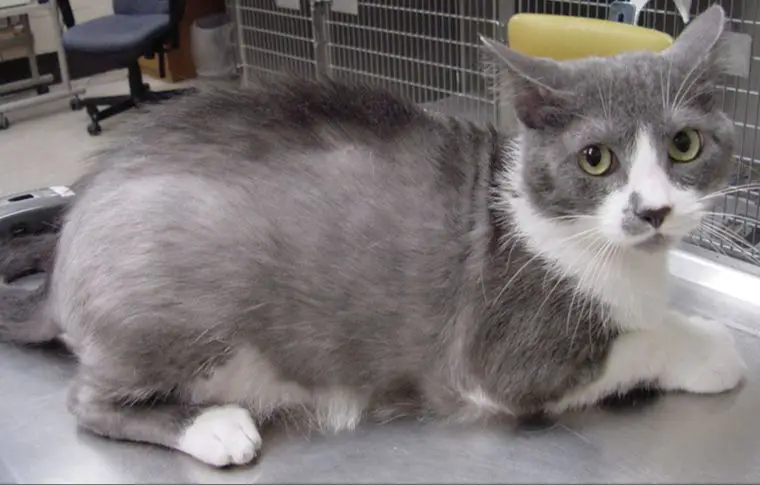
23,319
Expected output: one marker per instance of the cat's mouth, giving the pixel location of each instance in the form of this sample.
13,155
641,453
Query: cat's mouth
655,242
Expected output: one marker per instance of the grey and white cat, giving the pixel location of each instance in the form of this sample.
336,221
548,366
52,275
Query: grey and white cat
332,251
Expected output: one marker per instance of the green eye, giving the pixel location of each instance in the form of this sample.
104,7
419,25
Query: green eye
596,160
685,146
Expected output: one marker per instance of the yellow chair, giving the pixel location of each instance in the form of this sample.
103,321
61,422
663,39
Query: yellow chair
562,37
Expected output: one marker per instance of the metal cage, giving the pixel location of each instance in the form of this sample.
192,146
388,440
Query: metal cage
425,49
428,51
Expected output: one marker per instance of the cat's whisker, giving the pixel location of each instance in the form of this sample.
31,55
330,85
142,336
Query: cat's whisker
712,244
562,276
689,80
733,241
728,215
515,238
581,280
724,231
717,226
627,311
535,257
561,273
587,303
602,101
610,261
730,190
592,271
738,245
573,218
694,96
669,78
662,89
731,246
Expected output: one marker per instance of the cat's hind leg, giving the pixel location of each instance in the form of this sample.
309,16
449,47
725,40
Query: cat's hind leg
681,354
217,435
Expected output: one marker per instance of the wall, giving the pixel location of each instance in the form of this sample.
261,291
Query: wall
44,39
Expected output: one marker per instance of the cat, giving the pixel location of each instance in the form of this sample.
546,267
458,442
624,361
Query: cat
331,251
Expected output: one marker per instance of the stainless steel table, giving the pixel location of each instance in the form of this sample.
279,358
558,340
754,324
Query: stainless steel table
677,438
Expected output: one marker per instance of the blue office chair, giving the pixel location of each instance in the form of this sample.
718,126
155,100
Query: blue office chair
137,28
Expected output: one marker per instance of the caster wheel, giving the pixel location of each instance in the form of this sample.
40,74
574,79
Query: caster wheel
94,129
75,104
4,122
43,89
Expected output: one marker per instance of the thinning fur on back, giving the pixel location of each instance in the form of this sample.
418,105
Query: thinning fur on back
326,250
280,202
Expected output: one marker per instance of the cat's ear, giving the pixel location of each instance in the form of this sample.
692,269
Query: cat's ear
703,41
533,85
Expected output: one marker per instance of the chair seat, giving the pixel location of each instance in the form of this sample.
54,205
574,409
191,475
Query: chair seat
115,33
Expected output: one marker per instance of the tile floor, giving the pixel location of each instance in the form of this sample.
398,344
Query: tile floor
47,144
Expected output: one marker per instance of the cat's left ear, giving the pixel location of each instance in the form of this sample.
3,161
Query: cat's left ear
703,41
534,86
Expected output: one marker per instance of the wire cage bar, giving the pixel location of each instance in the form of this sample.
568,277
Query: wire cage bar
428,51
271,40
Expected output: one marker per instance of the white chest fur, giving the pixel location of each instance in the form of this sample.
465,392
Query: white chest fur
632,282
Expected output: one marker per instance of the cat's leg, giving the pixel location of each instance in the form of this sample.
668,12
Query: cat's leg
216,435
681,354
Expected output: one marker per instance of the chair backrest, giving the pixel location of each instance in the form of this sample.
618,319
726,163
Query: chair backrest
562,37
141,7
175,9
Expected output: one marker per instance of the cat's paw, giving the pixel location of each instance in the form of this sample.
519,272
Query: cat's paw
706,360
222,436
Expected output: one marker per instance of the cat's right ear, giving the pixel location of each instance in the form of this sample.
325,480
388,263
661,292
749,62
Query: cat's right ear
703,40
532,84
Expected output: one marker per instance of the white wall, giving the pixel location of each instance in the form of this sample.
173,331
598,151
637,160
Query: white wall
43,30
83,10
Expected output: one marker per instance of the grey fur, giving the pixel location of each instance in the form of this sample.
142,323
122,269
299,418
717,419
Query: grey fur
353,241
19,306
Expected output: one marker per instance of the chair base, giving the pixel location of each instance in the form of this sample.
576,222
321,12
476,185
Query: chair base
139,93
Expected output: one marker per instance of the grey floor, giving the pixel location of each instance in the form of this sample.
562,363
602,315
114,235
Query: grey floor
46,144
676,438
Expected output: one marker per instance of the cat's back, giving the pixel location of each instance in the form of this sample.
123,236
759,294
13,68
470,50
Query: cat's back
297,206
231,130
301,159
298,171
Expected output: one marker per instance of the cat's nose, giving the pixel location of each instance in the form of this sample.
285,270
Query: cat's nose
654,217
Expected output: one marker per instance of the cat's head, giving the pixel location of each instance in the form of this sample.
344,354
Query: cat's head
633,145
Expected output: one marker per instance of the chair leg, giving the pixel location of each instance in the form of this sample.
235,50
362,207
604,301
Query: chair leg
139,92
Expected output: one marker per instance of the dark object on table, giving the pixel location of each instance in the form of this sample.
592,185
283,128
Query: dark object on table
536,422
637,397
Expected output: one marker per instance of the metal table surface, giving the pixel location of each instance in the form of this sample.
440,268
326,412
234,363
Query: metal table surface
676,438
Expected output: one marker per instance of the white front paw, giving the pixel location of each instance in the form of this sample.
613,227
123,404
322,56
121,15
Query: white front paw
221,436
707,360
